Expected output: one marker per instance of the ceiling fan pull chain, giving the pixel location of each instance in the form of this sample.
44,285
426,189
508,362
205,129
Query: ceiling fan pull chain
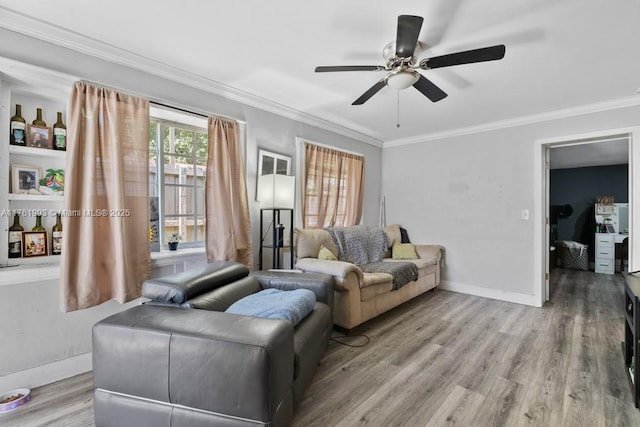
398,121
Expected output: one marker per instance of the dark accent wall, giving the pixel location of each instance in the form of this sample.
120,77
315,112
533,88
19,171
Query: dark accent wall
579,188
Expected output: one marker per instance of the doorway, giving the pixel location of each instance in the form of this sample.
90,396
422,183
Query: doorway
593,144
581,174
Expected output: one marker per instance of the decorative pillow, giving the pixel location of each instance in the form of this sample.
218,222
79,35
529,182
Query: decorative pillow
325,253
404,236
404,251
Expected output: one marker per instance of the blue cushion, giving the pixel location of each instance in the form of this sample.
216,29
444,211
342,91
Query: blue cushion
276,304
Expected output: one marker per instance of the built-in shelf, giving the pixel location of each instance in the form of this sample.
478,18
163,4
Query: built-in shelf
35,197
49,260
33,88
41,152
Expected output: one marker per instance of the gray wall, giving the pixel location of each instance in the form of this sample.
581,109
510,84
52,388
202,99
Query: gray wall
579,188
467,192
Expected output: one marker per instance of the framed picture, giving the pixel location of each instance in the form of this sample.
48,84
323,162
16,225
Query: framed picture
34,243
272,163
39,137
610,228
25,178
52,182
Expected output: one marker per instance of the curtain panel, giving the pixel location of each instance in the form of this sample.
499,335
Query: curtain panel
228,235
333,188
106,221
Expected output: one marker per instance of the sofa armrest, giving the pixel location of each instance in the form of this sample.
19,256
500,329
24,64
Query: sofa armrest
319,284
338,269
200,359
435,252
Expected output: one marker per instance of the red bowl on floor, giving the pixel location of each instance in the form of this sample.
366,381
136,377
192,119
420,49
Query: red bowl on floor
10,406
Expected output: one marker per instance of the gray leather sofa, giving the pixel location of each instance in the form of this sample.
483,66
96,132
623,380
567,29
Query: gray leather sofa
179,360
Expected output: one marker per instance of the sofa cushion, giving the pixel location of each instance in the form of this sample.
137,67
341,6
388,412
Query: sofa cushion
374,284
359,244
421,263
393,233
276,304
308,242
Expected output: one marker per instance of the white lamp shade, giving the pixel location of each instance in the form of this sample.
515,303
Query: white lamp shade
402,79
276,191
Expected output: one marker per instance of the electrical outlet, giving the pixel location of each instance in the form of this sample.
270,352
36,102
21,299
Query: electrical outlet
524,214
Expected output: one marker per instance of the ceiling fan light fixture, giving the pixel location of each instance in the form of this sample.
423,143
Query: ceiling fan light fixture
402,79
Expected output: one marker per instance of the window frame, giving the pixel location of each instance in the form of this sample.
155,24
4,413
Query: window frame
301,172
161,184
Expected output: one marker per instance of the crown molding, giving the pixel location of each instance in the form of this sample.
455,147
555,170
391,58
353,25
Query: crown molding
615,104
54,34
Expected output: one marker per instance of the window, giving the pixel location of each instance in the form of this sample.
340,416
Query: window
333,187
273,163
177,170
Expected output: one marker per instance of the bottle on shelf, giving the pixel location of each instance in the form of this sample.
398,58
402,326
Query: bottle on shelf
18,127
56,237
38,226
15,238
59,134
38,121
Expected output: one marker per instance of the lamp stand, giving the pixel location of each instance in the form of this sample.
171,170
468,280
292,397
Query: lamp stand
277,237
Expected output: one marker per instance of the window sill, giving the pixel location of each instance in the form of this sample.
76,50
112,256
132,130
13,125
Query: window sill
166,257
28,273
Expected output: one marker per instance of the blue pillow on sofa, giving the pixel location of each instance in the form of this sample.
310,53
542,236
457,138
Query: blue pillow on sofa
276,304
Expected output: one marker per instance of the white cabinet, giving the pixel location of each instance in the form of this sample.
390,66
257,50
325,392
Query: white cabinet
605,253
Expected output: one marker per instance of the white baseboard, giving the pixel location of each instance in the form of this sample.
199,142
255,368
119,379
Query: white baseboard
47,374
489,293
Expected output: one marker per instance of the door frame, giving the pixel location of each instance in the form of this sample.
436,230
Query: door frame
541,199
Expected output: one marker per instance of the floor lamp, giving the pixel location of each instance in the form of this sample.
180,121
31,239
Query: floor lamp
275,193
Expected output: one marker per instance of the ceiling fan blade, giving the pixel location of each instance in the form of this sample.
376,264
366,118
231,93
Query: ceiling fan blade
428,89
326,69
407,35
368,94
490,53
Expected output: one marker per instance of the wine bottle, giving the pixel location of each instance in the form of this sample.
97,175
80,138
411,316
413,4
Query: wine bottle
18,126
15,238
56,237
38,121
38,226
59,134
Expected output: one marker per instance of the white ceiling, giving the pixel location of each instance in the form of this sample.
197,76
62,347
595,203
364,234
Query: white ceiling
560,54
598,153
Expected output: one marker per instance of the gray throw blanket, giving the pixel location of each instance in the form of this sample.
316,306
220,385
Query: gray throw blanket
359,244
402,272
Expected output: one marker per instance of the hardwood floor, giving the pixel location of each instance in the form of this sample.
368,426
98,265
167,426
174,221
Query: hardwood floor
451,359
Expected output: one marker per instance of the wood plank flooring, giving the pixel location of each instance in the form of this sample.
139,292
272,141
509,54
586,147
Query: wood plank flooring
450,359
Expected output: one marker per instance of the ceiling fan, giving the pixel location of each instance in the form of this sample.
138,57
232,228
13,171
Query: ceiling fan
402,62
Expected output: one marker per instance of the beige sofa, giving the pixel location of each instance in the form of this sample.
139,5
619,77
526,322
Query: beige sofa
360,296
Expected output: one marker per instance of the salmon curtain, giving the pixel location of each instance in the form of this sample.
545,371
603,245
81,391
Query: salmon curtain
333,188
228,235
106,217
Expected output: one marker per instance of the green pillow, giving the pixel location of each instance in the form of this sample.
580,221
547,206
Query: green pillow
404,251
325,253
